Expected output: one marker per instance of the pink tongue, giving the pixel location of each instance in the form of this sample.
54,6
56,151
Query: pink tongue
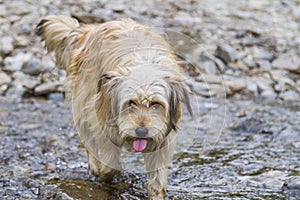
139,145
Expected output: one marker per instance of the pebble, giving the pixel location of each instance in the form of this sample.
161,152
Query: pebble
287,61
32,67
4,78
264,65
46,88
209,67
260,54
290,95
226,53
19,8
6,45
209,78
15,63
56,97
235,85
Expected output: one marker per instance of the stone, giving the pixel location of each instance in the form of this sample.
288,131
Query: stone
22,41
56,97
290,95
226,53
251,86
268,95
238,65
235,85
260,54
15,63
6,45
264,65
287,61
209,78
32,67
263,84
4,78
3,10
46,88
209,67
19,8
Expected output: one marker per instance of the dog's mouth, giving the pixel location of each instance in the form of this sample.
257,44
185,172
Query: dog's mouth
139,144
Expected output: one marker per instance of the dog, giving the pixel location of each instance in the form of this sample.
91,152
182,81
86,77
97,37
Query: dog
127,91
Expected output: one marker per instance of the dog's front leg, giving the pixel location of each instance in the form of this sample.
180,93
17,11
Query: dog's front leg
157,169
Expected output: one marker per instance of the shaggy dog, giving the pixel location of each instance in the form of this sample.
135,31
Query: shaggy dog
126,90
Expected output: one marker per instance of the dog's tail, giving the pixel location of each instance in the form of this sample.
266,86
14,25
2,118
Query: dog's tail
61,35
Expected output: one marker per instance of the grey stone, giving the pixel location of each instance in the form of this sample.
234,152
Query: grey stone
290,96
287,61
209,78
209,67
4,78
251,86
56,97
262,54
235,85
264,65
15,63
269,95
19,8
32,67
46,88
6,45
226,53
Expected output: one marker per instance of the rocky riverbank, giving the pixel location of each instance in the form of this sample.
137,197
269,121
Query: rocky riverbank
246,49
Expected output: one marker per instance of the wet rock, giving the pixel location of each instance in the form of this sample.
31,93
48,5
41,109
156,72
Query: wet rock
15,63
46,88
249,124
4,78
251,169
287,61
6,45
56,97
291,190
226,53
290,96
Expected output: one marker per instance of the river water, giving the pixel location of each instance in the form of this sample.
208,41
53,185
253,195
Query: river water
230,149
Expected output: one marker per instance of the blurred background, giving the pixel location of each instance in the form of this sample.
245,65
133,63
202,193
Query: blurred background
244,72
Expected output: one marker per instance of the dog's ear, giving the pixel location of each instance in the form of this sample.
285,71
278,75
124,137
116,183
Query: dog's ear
178,95
107,84
109,80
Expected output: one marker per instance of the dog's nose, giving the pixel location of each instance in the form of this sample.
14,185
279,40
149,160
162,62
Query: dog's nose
141,131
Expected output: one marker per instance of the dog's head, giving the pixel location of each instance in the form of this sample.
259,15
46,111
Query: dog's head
146,105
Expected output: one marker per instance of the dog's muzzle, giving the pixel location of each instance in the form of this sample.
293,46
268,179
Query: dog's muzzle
140,143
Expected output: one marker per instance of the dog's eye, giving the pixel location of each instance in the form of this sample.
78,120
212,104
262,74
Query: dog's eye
131,103
155,105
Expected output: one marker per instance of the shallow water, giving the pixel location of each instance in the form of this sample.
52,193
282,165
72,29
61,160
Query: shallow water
231,149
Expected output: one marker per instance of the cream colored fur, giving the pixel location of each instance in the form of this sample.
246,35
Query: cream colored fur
107,66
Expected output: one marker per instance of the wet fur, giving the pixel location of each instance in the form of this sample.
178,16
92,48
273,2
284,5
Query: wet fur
109,65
